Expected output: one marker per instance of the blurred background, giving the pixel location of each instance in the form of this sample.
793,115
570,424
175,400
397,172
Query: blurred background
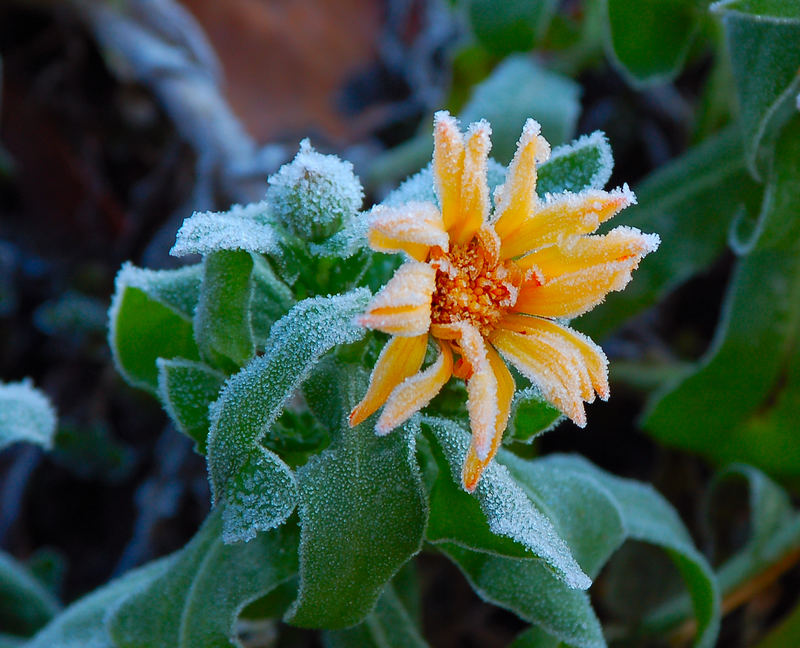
120,118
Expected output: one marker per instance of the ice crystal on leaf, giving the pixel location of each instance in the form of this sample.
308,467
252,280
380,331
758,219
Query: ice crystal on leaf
493,283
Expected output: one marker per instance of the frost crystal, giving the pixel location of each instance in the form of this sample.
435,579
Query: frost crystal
315,194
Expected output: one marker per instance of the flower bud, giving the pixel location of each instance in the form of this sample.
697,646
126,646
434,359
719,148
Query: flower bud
314,194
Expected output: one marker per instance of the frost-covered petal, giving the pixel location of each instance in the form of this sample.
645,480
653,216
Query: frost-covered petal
516,199
473,465
564,215
549,367
403,306
619,244
481,389
474,188
400,358
448,165
575,293
416,392
412,228
591,354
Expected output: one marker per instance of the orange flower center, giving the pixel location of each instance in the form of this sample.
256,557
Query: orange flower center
470,288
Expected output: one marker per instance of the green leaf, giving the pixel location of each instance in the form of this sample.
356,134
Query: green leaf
508,512
362,515
650,38
222,320
675,203
742,401
505,27
83,624
535,637
532,592
196,601
389,624
25,605
25,415
531,416
763,39
645,516
187,389
253,399
242,227
585,163
517,89
271,299
785,634
150,318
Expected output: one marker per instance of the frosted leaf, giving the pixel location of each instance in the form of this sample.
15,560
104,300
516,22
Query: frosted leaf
508,510
314,194
362,514
177,289
243,227
346,242
253,398
262,498
531,416
25,415
186,389
586,163
196,601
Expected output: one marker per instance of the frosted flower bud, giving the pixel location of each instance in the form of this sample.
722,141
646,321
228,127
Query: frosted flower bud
314,194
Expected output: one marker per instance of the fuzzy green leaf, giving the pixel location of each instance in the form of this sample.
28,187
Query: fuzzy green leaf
362,514
674,203
186,390
83,624
531,416
644,516
222,320
508,512
25,605
764,43
742,403
25,415
196,601
253,399
271,299
150,318
389,624
650,38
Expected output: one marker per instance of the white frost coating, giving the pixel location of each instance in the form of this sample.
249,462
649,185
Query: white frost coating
403,305
253,398
415,188
264,496
346,242
25,415
243,227
315,193
508,510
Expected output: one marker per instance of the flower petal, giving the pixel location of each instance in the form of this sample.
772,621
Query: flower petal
619,244
474,188
591,354
412,228
448,165
551,368
564,215
400,358
516,199
403,306
415,392
481,389
575,293
473,465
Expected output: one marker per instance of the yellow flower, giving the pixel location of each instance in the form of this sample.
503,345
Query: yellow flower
490,285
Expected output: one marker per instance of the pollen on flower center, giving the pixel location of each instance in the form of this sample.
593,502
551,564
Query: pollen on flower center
471,288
